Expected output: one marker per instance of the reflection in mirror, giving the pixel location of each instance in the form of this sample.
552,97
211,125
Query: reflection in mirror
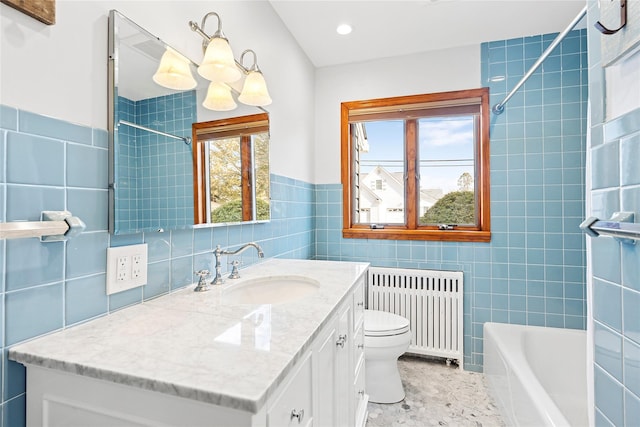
231,175
150,161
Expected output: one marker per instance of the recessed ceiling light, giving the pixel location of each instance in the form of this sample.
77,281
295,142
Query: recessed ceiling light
344,29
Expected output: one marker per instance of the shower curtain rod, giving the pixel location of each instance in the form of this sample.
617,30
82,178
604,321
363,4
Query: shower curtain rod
184,139
499,108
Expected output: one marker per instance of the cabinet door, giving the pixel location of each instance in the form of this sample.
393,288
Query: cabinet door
325,378
360,397
293,407
343,370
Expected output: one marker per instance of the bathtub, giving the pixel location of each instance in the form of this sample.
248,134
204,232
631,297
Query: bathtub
536,375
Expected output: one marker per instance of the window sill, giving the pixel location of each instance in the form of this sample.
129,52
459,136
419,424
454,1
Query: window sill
437,235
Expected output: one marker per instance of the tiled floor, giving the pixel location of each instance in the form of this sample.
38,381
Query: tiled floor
437,395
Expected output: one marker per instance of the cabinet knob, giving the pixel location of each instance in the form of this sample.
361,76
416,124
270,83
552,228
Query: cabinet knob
361,393
360,346
299,414
360,304
342,339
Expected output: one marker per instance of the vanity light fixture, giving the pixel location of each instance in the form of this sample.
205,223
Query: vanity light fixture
219,98
220,67
174,71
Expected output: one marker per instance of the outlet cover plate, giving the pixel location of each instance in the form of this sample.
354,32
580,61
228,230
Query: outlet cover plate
135,273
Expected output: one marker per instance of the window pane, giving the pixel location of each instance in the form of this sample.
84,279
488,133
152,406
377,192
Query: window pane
225,178
379,165
261,157
447,175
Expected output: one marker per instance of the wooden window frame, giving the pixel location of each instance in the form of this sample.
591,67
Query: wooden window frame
401,107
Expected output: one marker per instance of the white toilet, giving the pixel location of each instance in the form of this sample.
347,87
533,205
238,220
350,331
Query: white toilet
386,337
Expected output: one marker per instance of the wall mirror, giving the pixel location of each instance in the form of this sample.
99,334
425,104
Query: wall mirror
152,182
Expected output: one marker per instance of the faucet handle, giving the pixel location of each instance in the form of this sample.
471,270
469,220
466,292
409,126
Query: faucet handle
202,285
202,273
235,274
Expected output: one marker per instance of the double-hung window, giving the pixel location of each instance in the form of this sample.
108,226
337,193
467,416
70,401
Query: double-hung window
417,167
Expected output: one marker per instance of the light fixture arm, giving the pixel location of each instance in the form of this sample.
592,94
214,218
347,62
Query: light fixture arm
254,66
200,30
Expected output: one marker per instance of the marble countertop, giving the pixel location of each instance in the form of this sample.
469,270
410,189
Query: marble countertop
198,346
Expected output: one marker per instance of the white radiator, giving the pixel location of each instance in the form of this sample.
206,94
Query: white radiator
430,299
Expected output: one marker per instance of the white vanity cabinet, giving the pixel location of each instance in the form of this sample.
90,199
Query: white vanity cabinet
359,398
338,353
327,389
321,386
332,356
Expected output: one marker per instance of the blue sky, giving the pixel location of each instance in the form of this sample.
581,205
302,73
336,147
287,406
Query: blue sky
442,138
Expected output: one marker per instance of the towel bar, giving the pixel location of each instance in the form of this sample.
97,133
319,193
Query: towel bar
54,226
620,226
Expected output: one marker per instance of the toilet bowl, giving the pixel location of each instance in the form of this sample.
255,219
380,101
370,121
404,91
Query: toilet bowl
386,337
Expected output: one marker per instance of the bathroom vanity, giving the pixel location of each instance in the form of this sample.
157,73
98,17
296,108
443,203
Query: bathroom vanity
232,356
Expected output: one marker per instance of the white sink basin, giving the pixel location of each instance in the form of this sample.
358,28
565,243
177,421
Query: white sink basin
270,290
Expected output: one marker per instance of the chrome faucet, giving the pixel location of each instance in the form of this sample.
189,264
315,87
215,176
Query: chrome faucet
218,252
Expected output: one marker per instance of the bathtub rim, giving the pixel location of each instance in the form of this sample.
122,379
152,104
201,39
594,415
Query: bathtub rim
542,401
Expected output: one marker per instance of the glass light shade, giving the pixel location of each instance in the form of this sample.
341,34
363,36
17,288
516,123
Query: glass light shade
174,72
254,92
218,64
219,98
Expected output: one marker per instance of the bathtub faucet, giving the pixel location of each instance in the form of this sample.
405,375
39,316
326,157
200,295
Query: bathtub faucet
218,252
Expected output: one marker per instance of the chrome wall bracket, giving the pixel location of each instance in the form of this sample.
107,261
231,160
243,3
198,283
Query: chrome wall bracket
54,226
620,226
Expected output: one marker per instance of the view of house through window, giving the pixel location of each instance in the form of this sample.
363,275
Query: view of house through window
446,169
417,163
381,171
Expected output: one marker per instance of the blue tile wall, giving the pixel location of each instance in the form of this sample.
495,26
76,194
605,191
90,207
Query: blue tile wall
615,266
126,175
155,172
165,172
50,286
533,271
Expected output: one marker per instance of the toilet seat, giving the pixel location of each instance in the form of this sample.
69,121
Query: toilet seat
382,324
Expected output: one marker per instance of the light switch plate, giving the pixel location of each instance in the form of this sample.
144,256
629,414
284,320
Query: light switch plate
126,267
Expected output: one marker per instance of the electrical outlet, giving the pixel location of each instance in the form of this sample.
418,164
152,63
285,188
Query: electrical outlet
122,269
136,266
126,267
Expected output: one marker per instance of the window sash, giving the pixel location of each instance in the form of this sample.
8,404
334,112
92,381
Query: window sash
477,180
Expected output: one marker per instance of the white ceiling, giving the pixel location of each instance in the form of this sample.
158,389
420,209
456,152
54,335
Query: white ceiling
393,28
